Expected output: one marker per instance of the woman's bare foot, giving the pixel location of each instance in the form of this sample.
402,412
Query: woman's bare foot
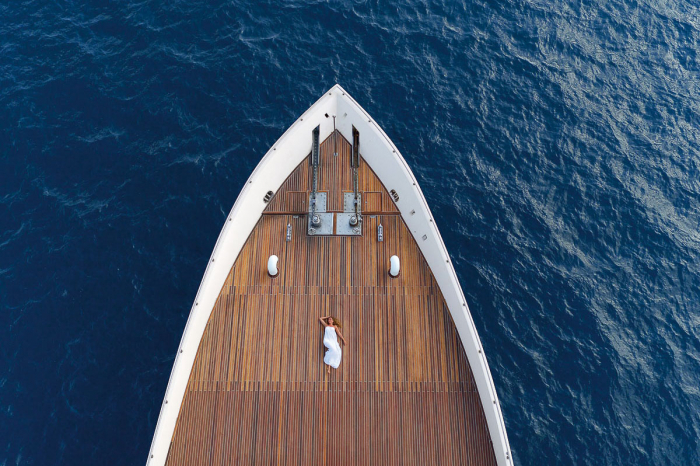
328,369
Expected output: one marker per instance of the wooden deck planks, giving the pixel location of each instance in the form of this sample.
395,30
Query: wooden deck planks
258,392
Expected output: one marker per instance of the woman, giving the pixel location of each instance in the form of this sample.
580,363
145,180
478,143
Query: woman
330,341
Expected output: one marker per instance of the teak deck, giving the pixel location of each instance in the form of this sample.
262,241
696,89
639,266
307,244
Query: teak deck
258,392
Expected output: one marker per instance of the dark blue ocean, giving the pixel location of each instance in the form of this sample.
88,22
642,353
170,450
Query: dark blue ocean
556,142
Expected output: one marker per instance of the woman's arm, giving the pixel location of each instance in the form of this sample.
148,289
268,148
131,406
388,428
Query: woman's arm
323,321
337,330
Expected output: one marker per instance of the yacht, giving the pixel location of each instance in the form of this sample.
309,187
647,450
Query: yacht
331,222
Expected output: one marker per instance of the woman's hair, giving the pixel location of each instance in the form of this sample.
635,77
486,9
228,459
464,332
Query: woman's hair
336,322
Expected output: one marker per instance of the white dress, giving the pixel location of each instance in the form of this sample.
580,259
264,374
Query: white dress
334,354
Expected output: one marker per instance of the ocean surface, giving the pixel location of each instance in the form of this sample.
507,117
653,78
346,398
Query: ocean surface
556,142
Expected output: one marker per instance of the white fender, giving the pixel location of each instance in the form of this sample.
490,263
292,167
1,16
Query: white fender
395,266
272,266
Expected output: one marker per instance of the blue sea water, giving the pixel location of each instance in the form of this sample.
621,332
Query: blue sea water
556,142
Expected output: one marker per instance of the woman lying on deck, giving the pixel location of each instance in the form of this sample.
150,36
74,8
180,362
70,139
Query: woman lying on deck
330,341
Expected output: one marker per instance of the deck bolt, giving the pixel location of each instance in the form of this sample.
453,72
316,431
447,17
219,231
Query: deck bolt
180,351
